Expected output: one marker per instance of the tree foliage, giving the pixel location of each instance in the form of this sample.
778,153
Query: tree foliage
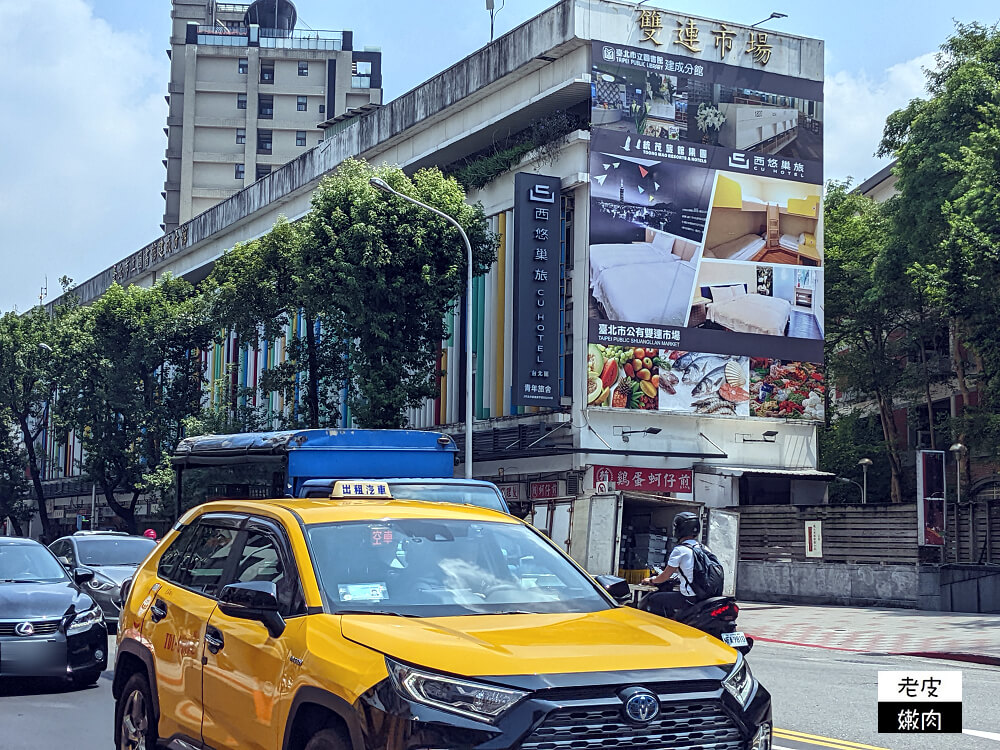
866,336
944,219
14,484
27,385
130,374
389,270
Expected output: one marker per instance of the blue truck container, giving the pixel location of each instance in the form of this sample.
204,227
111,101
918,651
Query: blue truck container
310,460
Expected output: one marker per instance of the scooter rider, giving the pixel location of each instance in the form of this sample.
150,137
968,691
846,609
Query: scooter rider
680,567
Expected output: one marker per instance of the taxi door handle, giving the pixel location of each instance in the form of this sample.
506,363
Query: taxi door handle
158,611
214,639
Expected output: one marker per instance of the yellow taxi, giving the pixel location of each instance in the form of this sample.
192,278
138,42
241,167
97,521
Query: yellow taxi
364,621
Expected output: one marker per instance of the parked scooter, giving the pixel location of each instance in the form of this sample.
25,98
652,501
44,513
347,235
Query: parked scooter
715,616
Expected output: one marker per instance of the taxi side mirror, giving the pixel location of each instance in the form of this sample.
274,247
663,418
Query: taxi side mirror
255,600
617,587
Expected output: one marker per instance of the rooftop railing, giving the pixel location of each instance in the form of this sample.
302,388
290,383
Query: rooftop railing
271,38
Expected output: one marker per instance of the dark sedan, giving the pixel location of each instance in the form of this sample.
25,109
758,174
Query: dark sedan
112,556
49,626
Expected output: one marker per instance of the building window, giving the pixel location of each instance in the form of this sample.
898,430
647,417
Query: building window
241,101
300,138
263,170
265,107
303,68
244,66
263,141
302,103
361,68
241,135
240,171
267,71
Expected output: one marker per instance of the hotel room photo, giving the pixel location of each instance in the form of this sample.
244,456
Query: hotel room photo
646,278
770,300
765,220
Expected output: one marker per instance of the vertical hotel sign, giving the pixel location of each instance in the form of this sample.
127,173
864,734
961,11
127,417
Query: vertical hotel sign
536,290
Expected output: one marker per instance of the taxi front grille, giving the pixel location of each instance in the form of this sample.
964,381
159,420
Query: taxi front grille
41,627
683,725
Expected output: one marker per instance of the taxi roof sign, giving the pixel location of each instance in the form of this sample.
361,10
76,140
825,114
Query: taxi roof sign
360,488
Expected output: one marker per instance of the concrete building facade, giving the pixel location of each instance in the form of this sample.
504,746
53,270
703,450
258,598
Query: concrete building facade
547,458
246,92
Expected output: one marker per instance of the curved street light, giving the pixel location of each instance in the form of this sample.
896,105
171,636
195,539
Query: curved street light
380,184
845,480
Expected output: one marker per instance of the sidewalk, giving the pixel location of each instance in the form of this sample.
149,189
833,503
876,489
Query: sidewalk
944,635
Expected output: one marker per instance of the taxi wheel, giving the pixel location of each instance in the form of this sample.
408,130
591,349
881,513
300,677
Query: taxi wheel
328,739
134,719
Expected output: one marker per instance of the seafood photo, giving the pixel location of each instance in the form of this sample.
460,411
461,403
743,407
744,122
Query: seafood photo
706,384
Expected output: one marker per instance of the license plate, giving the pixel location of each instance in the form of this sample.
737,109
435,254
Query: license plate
734,639
19,654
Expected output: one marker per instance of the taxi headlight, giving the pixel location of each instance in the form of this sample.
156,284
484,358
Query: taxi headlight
471,699
85,619
740,683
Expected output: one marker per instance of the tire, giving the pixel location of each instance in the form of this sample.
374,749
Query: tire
326,739
135,722
83,679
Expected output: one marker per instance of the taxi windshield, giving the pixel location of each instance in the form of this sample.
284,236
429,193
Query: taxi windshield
445,567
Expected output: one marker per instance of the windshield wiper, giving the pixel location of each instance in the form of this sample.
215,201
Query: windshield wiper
370,612
20,580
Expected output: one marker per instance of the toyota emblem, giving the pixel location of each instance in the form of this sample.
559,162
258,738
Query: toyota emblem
641,705
24,629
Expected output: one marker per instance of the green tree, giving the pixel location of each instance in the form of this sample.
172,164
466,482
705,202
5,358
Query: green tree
388,271
27,386
257,289
943,217
14,485
866,338
130,375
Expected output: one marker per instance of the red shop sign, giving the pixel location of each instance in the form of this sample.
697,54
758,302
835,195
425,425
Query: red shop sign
543,490
674,481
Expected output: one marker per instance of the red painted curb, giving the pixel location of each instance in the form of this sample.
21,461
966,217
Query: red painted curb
808,645
993,661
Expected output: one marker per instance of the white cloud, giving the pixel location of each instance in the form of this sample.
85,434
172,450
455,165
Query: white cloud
856,105
81,129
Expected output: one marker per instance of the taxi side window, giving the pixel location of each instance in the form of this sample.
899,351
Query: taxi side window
174,554
204,562
261,560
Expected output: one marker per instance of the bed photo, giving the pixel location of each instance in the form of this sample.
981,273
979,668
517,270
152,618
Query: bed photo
732,308
644,282
742,248
657,293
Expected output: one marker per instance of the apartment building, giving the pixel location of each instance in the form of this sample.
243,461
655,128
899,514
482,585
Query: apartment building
247,90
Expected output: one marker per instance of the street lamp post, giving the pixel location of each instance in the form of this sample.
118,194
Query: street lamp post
845,480
864,463
382,185
957,449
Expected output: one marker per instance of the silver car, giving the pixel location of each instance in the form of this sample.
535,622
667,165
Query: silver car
112,556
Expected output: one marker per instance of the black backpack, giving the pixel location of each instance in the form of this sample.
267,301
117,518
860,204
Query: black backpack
708,575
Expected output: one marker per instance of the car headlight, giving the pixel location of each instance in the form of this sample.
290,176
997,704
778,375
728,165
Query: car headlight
471,699
740,683
85,619
98,584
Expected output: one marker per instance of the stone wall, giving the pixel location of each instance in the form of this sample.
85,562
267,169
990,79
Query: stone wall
852,584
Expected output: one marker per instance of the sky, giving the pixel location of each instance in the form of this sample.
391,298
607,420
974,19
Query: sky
93,75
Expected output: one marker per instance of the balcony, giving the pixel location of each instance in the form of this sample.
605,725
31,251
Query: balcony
242,36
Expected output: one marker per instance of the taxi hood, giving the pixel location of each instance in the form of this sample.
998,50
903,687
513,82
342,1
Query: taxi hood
510,644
